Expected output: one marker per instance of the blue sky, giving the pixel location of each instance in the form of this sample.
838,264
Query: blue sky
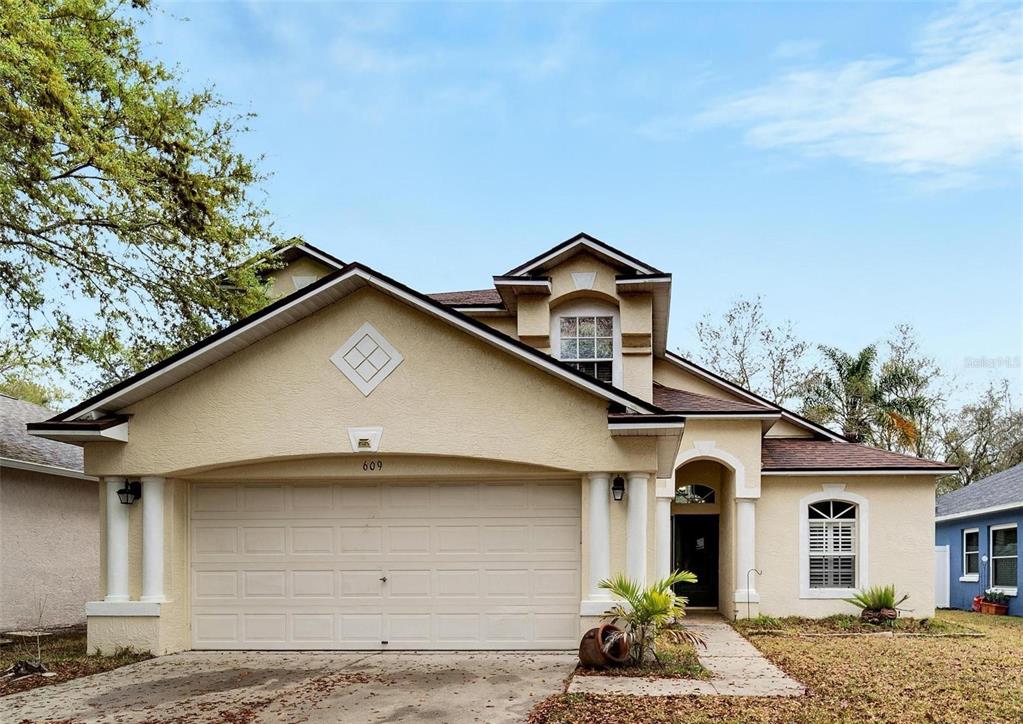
857,165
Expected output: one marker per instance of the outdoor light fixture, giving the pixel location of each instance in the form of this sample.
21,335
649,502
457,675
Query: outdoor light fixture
618,488
131,492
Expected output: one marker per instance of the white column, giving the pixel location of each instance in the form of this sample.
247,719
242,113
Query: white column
745,549
599,524
117,543
152,539
662,527
635,530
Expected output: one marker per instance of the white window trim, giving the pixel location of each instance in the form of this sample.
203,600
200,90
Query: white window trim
590,308
833,491
970,577
1007,590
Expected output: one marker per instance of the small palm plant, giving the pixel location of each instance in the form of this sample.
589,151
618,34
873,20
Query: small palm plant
877,603
646,613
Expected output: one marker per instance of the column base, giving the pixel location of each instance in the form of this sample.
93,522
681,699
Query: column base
594,606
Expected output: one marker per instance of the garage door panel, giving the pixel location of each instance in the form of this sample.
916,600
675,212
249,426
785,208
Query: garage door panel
467,565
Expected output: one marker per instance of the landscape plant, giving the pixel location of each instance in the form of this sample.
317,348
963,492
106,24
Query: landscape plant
646,613
878,604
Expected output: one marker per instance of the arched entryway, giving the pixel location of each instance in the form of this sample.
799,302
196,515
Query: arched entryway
700,524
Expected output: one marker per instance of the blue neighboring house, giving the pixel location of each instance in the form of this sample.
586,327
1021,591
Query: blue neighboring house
980,524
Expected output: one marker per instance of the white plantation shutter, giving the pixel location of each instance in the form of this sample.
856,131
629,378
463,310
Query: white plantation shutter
832,545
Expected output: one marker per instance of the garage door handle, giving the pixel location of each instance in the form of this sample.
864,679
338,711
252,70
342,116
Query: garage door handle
383,579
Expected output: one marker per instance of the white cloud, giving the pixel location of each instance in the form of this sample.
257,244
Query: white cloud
950,107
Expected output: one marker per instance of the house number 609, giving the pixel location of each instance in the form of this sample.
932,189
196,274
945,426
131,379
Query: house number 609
373,465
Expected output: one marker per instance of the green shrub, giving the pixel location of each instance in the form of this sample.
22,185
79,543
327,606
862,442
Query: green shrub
877,598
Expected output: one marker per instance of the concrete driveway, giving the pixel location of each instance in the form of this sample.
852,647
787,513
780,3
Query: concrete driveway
304,687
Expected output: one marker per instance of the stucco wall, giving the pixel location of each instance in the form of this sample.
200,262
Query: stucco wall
900,541
49,548
281,283
453,395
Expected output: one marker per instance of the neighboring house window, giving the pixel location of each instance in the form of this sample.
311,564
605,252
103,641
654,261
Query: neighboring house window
587,343
1004,556
971,552
694,494
832,544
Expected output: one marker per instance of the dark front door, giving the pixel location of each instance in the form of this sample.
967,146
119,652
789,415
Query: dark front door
696,550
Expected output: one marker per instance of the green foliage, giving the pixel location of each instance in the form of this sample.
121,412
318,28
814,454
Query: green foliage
992,595
120,194
877,598
647,613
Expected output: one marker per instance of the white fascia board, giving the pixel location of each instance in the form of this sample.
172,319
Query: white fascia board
600,250
311,252
731,387
858,471
118,433
442,313
506,282
666,279
47,469
640,428
480,310
978,511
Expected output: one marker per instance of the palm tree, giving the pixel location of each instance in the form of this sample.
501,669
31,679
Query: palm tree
644,614
866,404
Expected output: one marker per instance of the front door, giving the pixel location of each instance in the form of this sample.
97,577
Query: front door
696,550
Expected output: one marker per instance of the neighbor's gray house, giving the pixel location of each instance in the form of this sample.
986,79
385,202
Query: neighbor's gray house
49,525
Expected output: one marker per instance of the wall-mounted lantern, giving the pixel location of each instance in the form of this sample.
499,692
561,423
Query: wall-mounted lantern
131,492
618,488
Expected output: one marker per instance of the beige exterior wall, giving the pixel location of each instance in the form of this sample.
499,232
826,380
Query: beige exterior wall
281,283
504,325
49,548
271,400
672,375
900,523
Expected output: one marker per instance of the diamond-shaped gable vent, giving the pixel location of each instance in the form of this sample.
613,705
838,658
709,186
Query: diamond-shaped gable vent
366,358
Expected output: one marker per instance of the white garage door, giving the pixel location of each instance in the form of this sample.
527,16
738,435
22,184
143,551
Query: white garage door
446,565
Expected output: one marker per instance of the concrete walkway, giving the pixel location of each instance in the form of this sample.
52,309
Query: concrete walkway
737,669
290,687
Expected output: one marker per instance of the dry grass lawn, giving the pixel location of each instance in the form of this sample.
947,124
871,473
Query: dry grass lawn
867,678
63,653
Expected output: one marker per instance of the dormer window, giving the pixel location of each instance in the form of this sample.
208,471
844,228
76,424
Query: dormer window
587,343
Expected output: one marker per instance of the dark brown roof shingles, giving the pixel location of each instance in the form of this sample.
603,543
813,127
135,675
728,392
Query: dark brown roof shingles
674,400
805,454
469,297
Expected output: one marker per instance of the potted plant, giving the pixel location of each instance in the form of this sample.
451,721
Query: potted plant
877,604
995,603
646,613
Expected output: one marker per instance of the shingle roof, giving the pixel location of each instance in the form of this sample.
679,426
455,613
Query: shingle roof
1004,488
782,454
468,297
17,444
675,400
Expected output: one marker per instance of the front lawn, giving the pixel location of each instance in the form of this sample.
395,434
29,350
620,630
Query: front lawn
63,653
851,678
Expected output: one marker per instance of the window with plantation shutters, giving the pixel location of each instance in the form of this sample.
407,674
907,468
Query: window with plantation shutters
832,544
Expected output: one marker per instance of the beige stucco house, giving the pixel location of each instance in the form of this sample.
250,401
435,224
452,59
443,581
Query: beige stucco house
49,525
364,466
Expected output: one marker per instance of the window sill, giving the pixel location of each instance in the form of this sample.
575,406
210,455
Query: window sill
1006,590
827,593
970,578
